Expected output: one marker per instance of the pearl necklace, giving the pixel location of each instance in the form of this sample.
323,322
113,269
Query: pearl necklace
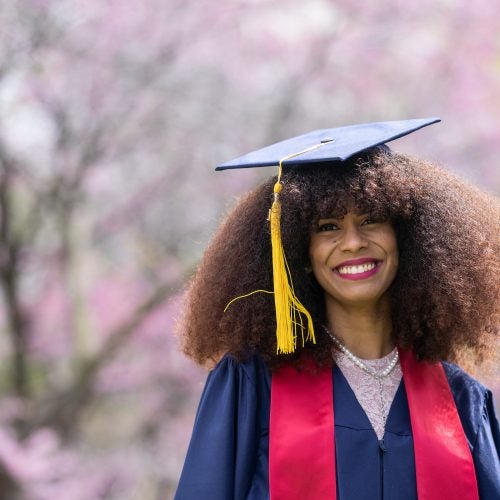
359,363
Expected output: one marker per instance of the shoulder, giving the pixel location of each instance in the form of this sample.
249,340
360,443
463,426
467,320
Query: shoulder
463,385
251,370
466,390
473,400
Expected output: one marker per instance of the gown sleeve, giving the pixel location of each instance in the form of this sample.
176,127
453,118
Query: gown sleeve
486,452
220,460
476,408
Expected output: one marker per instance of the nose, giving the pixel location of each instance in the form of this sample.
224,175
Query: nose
352,239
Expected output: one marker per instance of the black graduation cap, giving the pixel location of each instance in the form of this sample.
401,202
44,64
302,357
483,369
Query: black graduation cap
326,145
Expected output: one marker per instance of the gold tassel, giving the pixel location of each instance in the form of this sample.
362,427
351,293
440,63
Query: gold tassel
289,309
290,312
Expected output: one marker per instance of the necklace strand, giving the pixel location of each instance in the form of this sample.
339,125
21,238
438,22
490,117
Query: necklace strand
359,363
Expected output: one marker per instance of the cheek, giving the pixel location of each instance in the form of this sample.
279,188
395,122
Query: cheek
318,257
317,252
393,253
389,239
312,249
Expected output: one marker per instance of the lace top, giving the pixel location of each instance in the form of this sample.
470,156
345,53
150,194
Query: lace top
375,396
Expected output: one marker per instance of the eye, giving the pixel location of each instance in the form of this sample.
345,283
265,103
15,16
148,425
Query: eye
371,220
327,226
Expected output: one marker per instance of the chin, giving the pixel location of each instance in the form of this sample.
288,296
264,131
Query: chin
361,299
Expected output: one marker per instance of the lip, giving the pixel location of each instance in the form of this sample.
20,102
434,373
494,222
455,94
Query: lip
358,262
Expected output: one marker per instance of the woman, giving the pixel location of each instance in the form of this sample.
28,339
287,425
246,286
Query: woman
397,263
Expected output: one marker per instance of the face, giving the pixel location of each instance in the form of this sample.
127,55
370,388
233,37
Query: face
354,258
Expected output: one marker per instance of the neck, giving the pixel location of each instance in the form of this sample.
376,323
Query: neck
365,330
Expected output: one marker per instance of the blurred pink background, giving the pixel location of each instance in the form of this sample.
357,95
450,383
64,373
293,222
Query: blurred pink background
112,117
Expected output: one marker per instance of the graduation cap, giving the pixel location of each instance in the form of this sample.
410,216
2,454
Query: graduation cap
320,146
328,145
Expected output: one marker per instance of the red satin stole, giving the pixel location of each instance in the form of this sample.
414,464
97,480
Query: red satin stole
302,442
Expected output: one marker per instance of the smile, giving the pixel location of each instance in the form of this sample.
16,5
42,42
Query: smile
358,271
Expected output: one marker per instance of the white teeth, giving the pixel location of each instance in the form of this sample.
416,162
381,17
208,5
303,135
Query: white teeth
357,269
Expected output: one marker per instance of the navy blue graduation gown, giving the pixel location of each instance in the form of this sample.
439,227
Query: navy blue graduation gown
227,457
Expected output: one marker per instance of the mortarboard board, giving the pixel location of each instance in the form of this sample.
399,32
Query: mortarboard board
331,144
327,145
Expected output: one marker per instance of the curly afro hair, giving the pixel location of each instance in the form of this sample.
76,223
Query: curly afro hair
444,299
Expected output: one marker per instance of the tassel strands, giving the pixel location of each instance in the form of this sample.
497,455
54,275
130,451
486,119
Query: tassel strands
290,313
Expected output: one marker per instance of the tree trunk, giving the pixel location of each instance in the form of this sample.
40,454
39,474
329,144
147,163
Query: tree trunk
9,276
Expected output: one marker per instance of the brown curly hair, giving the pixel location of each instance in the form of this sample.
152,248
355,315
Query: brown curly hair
444,297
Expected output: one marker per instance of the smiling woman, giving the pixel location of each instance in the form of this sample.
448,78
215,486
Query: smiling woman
375,246
354,259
